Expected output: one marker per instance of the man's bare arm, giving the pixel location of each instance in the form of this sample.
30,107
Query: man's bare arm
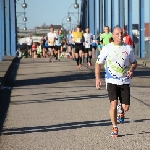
97,75
97,71
133,66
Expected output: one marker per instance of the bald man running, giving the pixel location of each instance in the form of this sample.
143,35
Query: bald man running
120,64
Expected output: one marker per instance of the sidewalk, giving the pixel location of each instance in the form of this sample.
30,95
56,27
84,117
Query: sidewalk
53,106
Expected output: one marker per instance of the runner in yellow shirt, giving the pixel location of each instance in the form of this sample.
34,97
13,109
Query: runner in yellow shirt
77,36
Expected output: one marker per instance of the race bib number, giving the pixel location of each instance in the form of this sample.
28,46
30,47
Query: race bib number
51,43
78,40
87,45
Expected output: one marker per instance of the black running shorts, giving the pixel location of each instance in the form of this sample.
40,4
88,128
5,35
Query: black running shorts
86,50
119,92
57,48
51,47
78,47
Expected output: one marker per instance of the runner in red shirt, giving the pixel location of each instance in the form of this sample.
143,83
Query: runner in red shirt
126,38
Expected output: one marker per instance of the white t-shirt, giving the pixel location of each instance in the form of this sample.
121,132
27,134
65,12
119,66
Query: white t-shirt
29,41
87,37
117,59
51,38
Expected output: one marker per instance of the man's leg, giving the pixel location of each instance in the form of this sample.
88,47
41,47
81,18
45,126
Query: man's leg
90,56
124,96
113,97
69,50
77,59
80,58
125,107
77,55
86,56
113,112
51,53
73,51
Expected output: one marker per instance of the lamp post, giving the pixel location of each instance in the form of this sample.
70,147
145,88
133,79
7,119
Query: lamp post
76,6
24,19
24,6
69,18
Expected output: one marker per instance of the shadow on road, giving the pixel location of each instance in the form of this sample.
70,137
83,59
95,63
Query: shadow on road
5,91
56,79
65,126
58,127
86,97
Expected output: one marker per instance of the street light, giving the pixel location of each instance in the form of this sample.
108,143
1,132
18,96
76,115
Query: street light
25,28
24,19
69,19
24,5
76,6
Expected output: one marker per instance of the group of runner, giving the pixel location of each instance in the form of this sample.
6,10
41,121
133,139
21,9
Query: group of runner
81,45
78,44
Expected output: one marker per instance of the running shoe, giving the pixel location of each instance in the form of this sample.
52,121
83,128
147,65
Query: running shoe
119,110
120,118
114,132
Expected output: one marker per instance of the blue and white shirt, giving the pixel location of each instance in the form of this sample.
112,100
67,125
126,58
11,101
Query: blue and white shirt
69,36
87,38
118,60
58,40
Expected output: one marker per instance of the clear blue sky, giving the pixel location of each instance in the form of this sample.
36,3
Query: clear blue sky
47,11
53,12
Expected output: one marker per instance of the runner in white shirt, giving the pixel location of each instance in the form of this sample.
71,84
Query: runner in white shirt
120,64
88,47
29,42
51,43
